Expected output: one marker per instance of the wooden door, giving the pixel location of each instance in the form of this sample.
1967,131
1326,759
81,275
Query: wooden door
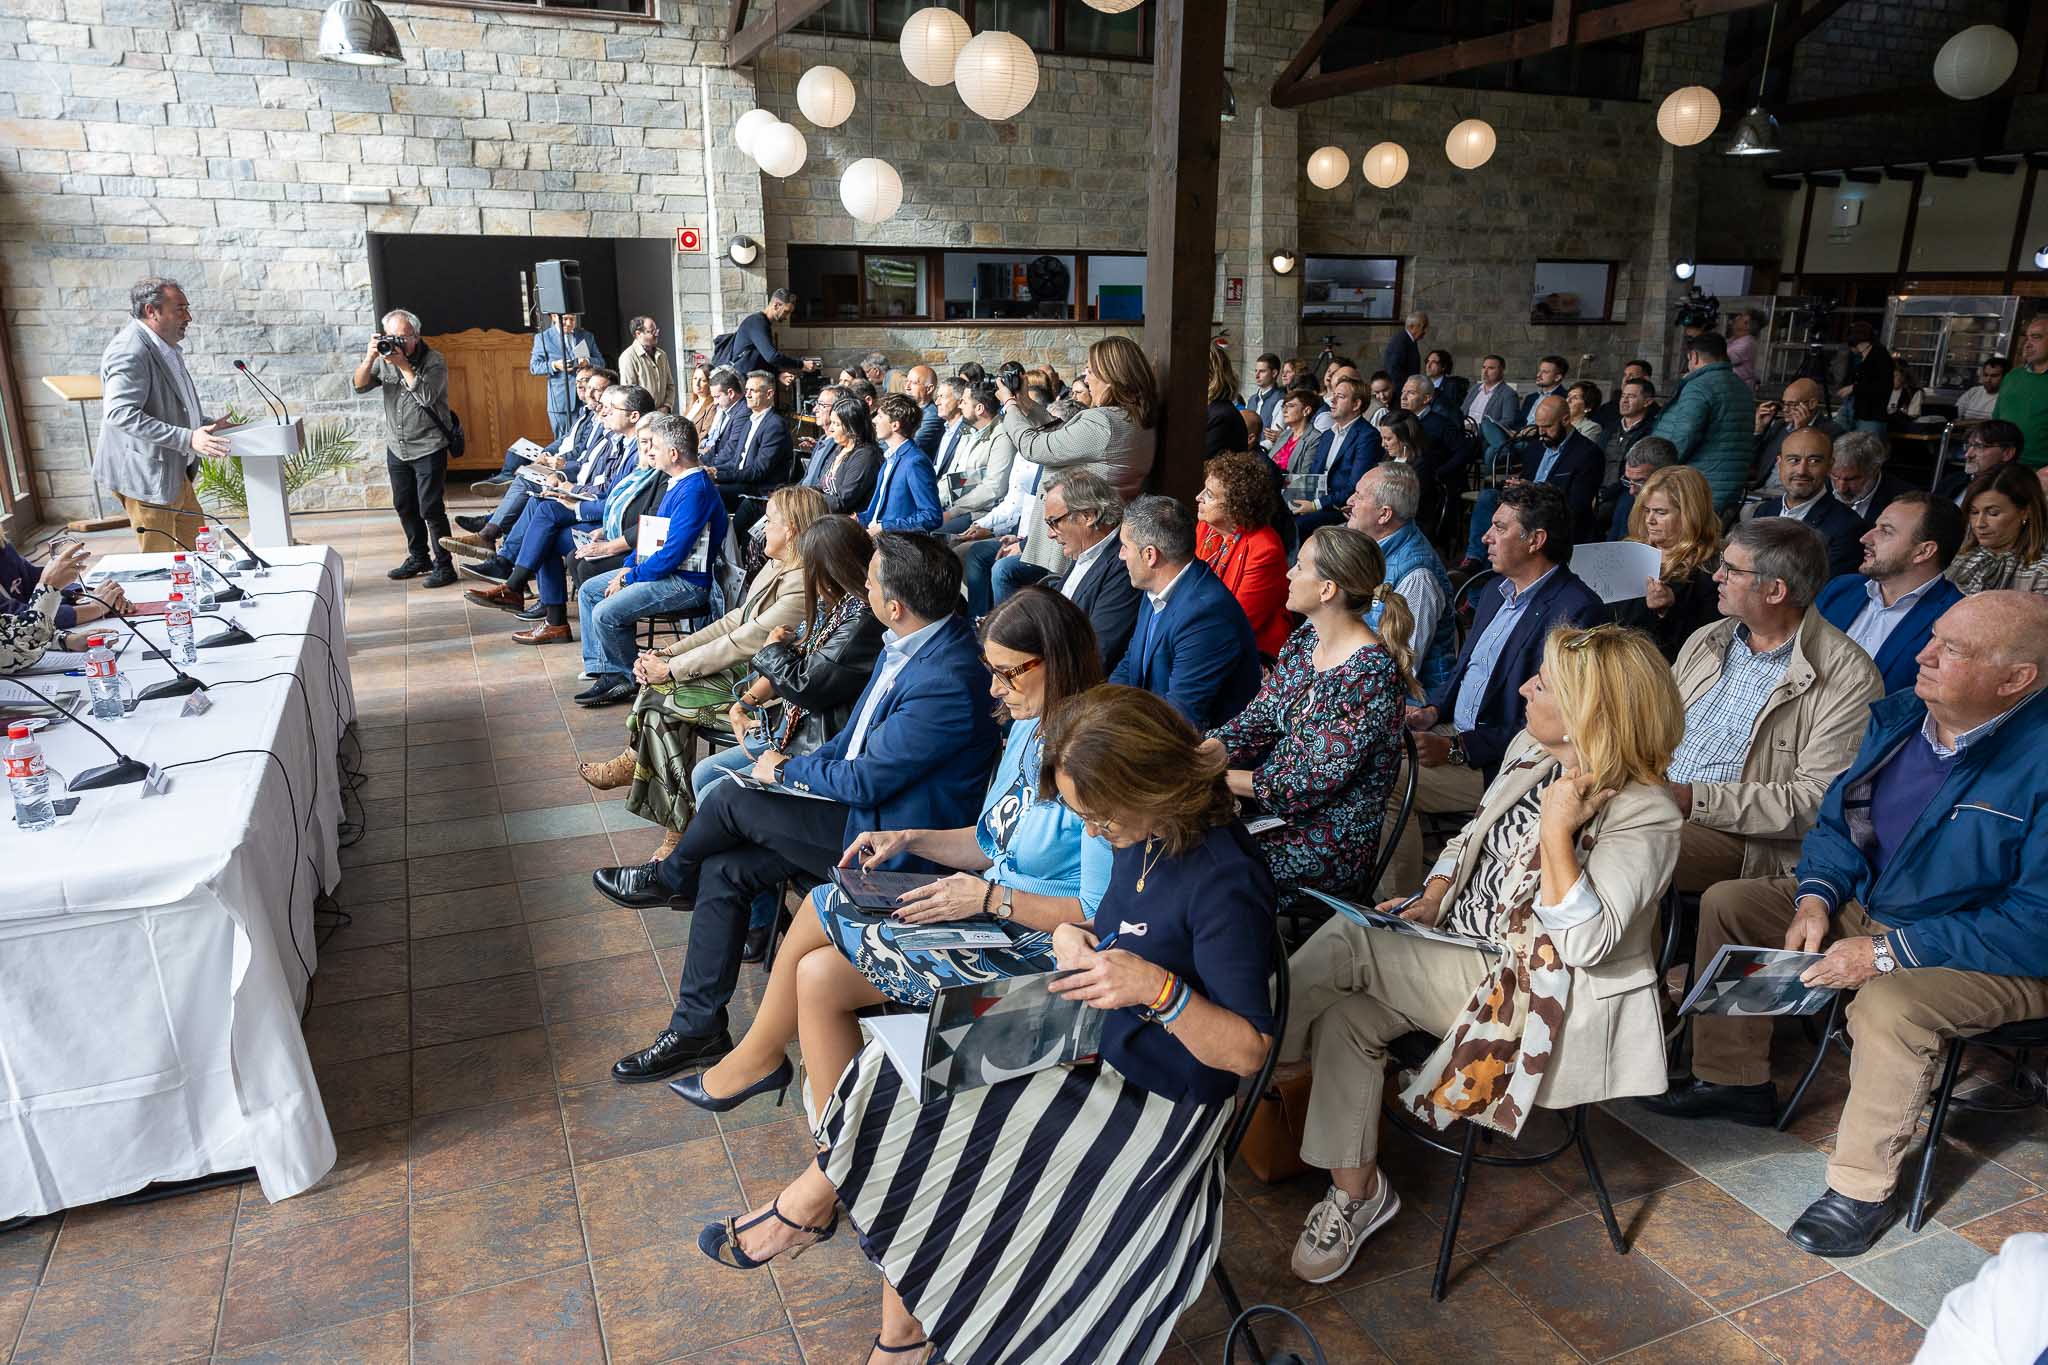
489,387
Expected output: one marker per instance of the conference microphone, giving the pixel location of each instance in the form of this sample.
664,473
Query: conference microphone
254,560
179,686
269,395
233,635
122,770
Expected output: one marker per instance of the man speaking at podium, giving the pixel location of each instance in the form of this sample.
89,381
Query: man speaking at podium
152,431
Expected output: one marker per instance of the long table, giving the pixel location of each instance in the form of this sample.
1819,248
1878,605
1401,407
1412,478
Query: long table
155,949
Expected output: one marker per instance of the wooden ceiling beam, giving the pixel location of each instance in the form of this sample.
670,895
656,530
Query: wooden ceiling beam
1738,86
777,18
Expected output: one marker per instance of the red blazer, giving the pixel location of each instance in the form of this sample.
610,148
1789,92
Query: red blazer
1254,567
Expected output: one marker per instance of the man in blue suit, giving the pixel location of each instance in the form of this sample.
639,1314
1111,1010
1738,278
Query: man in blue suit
1804,462
916,754
1192,644
555,353
1403,356
906,494
1318,490
922,386
1891,606
760,458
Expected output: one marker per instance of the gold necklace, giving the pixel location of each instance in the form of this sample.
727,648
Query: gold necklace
1151,861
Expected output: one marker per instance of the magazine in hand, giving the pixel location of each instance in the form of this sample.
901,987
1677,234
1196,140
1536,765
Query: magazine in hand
528,450
1394,924
1757,982
878,891
754,784
984,1032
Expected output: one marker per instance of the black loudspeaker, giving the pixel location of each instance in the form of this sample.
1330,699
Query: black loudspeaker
559,285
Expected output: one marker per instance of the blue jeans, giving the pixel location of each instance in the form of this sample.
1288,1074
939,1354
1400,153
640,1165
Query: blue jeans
510,504
513,459
716,769
1013,573
608,621
977,559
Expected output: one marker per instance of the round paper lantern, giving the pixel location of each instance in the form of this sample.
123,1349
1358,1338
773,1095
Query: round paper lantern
825,95
1975,62
748,126
1112,6
1688,116
1385,164
997,74
781,150
1327,167
1470,144
931,43
871,190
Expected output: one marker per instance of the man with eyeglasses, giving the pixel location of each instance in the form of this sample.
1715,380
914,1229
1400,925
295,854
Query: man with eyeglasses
1798,409
2023,396
643,362
1991,444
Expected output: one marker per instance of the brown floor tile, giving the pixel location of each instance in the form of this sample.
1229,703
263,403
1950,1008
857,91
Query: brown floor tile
1991,1232
356,1029
450,836
448,754
1629,1166
661,1195
468,1147
461,803
384,1340
105,1235
1710,1343
464,911
607,1119
770,1348
1599,1301
470,956
772,1155
1256,1260
1830,1320
1489,1323
118,1315
371,924
664,1299
604,986
556,857
444,731
24,1252
299,1280
828,1280
1502,1201
583,938
480,1071
365,885
1715,1245
554,897
537,722
369,1173
546,793
475,1009
13,1312
1336,1331
378,845
358,973
459,777
845,1336
585,1049
371,1091
460,871
548,1320
1409,1241
494,1233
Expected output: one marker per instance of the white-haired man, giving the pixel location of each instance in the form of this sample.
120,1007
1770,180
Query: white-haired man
414,380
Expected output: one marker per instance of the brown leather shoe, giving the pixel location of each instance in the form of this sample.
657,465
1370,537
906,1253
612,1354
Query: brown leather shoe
503,598
543,634
469,545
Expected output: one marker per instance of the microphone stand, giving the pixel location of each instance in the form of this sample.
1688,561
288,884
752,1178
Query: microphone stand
229,592
118,773
179,686
254,561
276,405
233,635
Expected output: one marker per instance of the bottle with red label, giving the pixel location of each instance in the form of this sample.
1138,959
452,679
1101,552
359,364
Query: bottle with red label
181,576
28,778
178,625
103,674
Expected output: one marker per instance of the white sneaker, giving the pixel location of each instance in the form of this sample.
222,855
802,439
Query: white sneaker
1337,1227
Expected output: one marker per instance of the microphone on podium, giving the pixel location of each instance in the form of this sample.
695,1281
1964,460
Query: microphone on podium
118,773
270,397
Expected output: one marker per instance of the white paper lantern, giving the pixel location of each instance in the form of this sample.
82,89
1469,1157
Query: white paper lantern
1688,116
1975,62
1327,167
1112,6
1470,144
825,95
871,190
781,150
931,43
997,74
1385,164
748,127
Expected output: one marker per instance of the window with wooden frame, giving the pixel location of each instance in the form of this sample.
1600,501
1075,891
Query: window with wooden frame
1572,291
1068,27
1350,289
857,284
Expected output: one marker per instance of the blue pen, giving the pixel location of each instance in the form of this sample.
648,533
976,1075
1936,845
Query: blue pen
1103,945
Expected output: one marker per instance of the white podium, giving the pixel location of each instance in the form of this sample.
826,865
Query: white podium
263,448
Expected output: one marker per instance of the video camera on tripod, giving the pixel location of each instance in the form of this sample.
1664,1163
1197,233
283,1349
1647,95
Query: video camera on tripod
1698,311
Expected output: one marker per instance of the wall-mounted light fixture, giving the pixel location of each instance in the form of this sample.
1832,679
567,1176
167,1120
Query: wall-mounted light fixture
1685,270
743,250
2041,258
1283,262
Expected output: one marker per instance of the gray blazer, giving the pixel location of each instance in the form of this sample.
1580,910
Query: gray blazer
1102,440
145,446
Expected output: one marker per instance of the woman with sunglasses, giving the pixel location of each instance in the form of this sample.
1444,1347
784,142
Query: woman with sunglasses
1025,868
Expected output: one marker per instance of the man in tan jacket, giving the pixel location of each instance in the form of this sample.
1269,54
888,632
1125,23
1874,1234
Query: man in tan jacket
1776,700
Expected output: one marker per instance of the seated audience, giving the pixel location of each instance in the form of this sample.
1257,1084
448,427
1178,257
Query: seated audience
1922,879
1891,603
1254,430
1803,405
1469,720
1550,377
1552,453
1226,431
1674,513
921,386
689,686
1192,643
1902,409
2006,545
1644,458
1384,506
19,580
1608,414
1297,421
478,537
1444,449
1085,514
1439,369
986,465
729,415
1493,398
1379,403
1805,460
949,466
1774,700
1320,743
698,409
1563,866
1268,389
1581,408
757,458
1234,536
810,447
1989,445
906,496
1979,401
33,601
1024,867
1634,419
1187,1014
1711,418
582,425
1319,482
914,756
1858,477
674,576
846,463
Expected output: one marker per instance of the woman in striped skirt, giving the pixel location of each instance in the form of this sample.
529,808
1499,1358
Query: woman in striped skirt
1071,1214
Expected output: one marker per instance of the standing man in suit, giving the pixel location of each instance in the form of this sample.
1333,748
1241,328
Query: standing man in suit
1889,606
152,431
555,356
1085,514
920,385
417,423
1805,460
1403,356
753,341
757,458
1191,642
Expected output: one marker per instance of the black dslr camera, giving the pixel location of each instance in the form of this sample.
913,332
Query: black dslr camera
388,345
1698,309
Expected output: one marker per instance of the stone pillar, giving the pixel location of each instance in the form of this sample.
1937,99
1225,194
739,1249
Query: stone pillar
1272,302
713,294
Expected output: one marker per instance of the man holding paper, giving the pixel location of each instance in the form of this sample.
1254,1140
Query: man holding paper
556,350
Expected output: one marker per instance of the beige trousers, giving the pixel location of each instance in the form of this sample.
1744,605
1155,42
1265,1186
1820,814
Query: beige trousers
1352,992
1438,791
1705,857
154,527
1899,1028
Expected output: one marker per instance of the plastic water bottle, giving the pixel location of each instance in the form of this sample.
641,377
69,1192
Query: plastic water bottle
203,546
178,622
28,779
181,576
103,673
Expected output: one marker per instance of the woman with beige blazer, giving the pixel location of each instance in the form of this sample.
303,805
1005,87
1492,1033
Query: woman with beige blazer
1115,436
690,685
1561,869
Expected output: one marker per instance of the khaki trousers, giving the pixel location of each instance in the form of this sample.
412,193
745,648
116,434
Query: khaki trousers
1706,856
1438,791
1352,992
1899,1026
154,527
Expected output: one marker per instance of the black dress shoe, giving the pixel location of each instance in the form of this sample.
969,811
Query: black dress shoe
636,888
537,612
609,690
472,524
441,577
1692,1098
492,570
411,568
1836,1225
692,1089
670,1053
756,946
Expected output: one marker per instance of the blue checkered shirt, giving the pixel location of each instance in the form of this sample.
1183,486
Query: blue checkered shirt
1720,725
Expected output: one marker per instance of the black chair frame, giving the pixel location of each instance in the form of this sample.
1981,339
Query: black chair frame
1300,910
1241,1123
1832,1030
1462,599
2023,1034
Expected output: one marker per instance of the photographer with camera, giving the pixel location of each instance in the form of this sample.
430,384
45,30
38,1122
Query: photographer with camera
417,434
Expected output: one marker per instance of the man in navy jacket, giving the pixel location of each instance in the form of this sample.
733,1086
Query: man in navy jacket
916,754
1927,877
753,341
1403,356
1192,643
761,458
1890,607
1805,459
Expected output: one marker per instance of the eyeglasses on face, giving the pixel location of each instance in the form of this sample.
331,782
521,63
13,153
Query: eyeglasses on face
1053,523
1008,676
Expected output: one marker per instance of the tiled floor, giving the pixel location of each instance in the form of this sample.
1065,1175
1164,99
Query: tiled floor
498,1198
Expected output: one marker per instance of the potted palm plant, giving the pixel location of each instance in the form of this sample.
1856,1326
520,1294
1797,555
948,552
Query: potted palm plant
330,445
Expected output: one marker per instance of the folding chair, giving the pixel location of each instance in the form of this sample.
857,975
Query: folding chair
1248,1098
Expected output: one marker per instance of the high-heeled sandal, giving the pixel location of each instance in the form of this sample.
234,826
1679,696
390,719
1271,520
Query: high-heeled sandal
610,774
715,1239
917,1345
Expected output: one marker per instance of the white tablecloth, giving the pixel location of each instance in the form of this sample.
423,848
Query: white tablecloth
155,951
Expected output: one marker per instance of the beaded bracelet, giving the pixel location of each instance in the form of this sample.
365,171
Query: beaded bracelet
988,900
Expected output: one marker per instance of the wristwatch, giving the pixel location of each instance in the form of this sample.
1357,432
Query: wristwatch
1456,757
1881,954
1004,909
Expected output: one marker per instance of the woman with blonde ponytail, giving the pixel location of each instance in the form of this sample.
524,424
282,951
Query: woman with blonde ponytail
1320,744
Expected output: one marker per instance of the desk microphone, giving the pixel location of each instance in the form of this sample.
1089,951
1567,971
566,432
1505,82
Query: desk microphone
252,559
179,686
122,770
232,635
228,592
